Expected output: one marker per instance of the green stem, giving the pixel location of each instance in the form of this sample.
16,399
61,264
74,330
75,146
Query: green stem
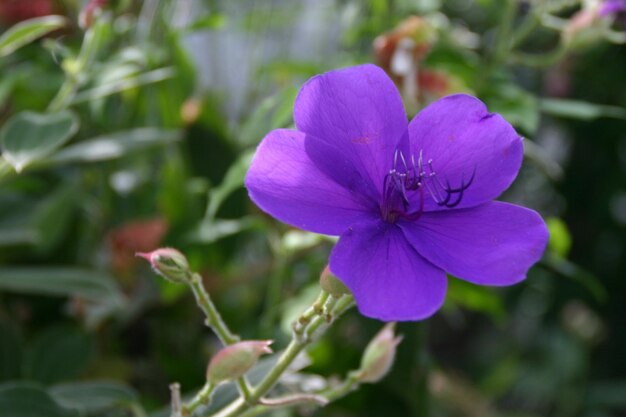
213,318
203,397
273,295
540,60
64,95
524,30
502,45
332,309
346,387
244,388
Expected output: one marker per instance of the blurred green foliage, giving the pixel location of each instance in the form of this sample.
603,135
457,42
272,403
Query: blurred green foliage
136,132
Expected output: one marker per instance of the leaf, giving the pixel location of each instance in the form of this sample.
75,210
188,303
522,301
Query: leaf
10,351
516,105
27,31
93,396
29,400
214,230
232,181
209,22
29,136
560,239
92,285
123,84
475,298
582,110
273,112
112,146
58,353
53,215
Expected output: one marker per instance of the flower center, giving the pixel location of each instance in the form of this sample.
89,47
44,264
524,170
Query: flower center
405,185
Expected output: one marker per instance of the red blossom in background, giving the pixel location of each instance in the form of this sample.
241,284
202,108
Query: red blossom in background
15,11
137,236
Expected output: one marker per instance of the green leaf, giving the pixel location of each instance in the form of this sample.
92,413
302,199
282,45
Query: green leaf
475,298
209,22
560,239
112,146
29,136
27,31
122,84
232,181
214,230
92,285
58,353
582,110
517,106
29,400
93,396
53,215
10,351
273,112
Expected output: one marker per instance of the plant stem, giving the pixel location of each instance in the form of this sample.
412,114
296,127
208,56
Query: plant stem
213,318
540,60
346,387
203,397
332,310
502,44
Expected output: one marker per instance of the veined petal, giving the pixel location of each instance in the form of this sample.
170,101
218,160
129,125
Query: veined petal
465,142
284,182
492,244
389,279
359,111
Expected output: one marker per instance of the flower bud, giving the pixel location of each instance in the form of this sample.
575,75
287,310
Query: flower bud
235,360
331,284
169,263
379,355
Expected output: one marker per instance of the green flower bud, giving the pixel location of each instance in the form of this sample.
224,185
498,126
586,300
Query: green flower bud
169,263
379,355
332,285
235,360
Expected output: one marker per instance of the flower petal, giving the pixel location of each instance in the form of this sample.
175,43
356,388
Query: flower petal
360,112
389,279
492,244
284,182
464,140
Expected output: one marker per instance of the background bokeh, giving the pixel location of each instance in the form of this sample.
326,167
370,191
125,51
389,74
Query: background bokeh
167,102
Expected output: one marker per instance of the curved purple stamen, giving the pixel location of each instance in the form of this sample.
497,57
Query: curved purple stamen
399,182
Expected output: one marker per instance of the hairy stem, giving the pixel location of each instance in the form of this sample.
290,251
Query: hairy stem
333,308
213,318
203,397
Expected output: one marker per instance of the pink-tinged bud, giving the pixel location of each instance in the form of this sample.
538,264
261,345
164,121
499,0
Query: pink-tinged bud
379,355
86,17
332,285
169,263
235,360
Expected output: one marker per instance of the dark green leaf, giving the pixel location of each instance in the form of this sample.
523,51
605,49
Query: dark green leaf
93,396
57,354
29,400
93,285
10,351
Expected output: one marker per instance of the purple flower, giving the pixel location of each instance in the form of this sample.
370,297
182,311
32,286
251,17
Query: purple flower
408,200
612,7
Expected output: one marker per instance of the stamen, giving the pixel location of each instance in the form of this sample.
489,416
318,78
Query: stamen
403,179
